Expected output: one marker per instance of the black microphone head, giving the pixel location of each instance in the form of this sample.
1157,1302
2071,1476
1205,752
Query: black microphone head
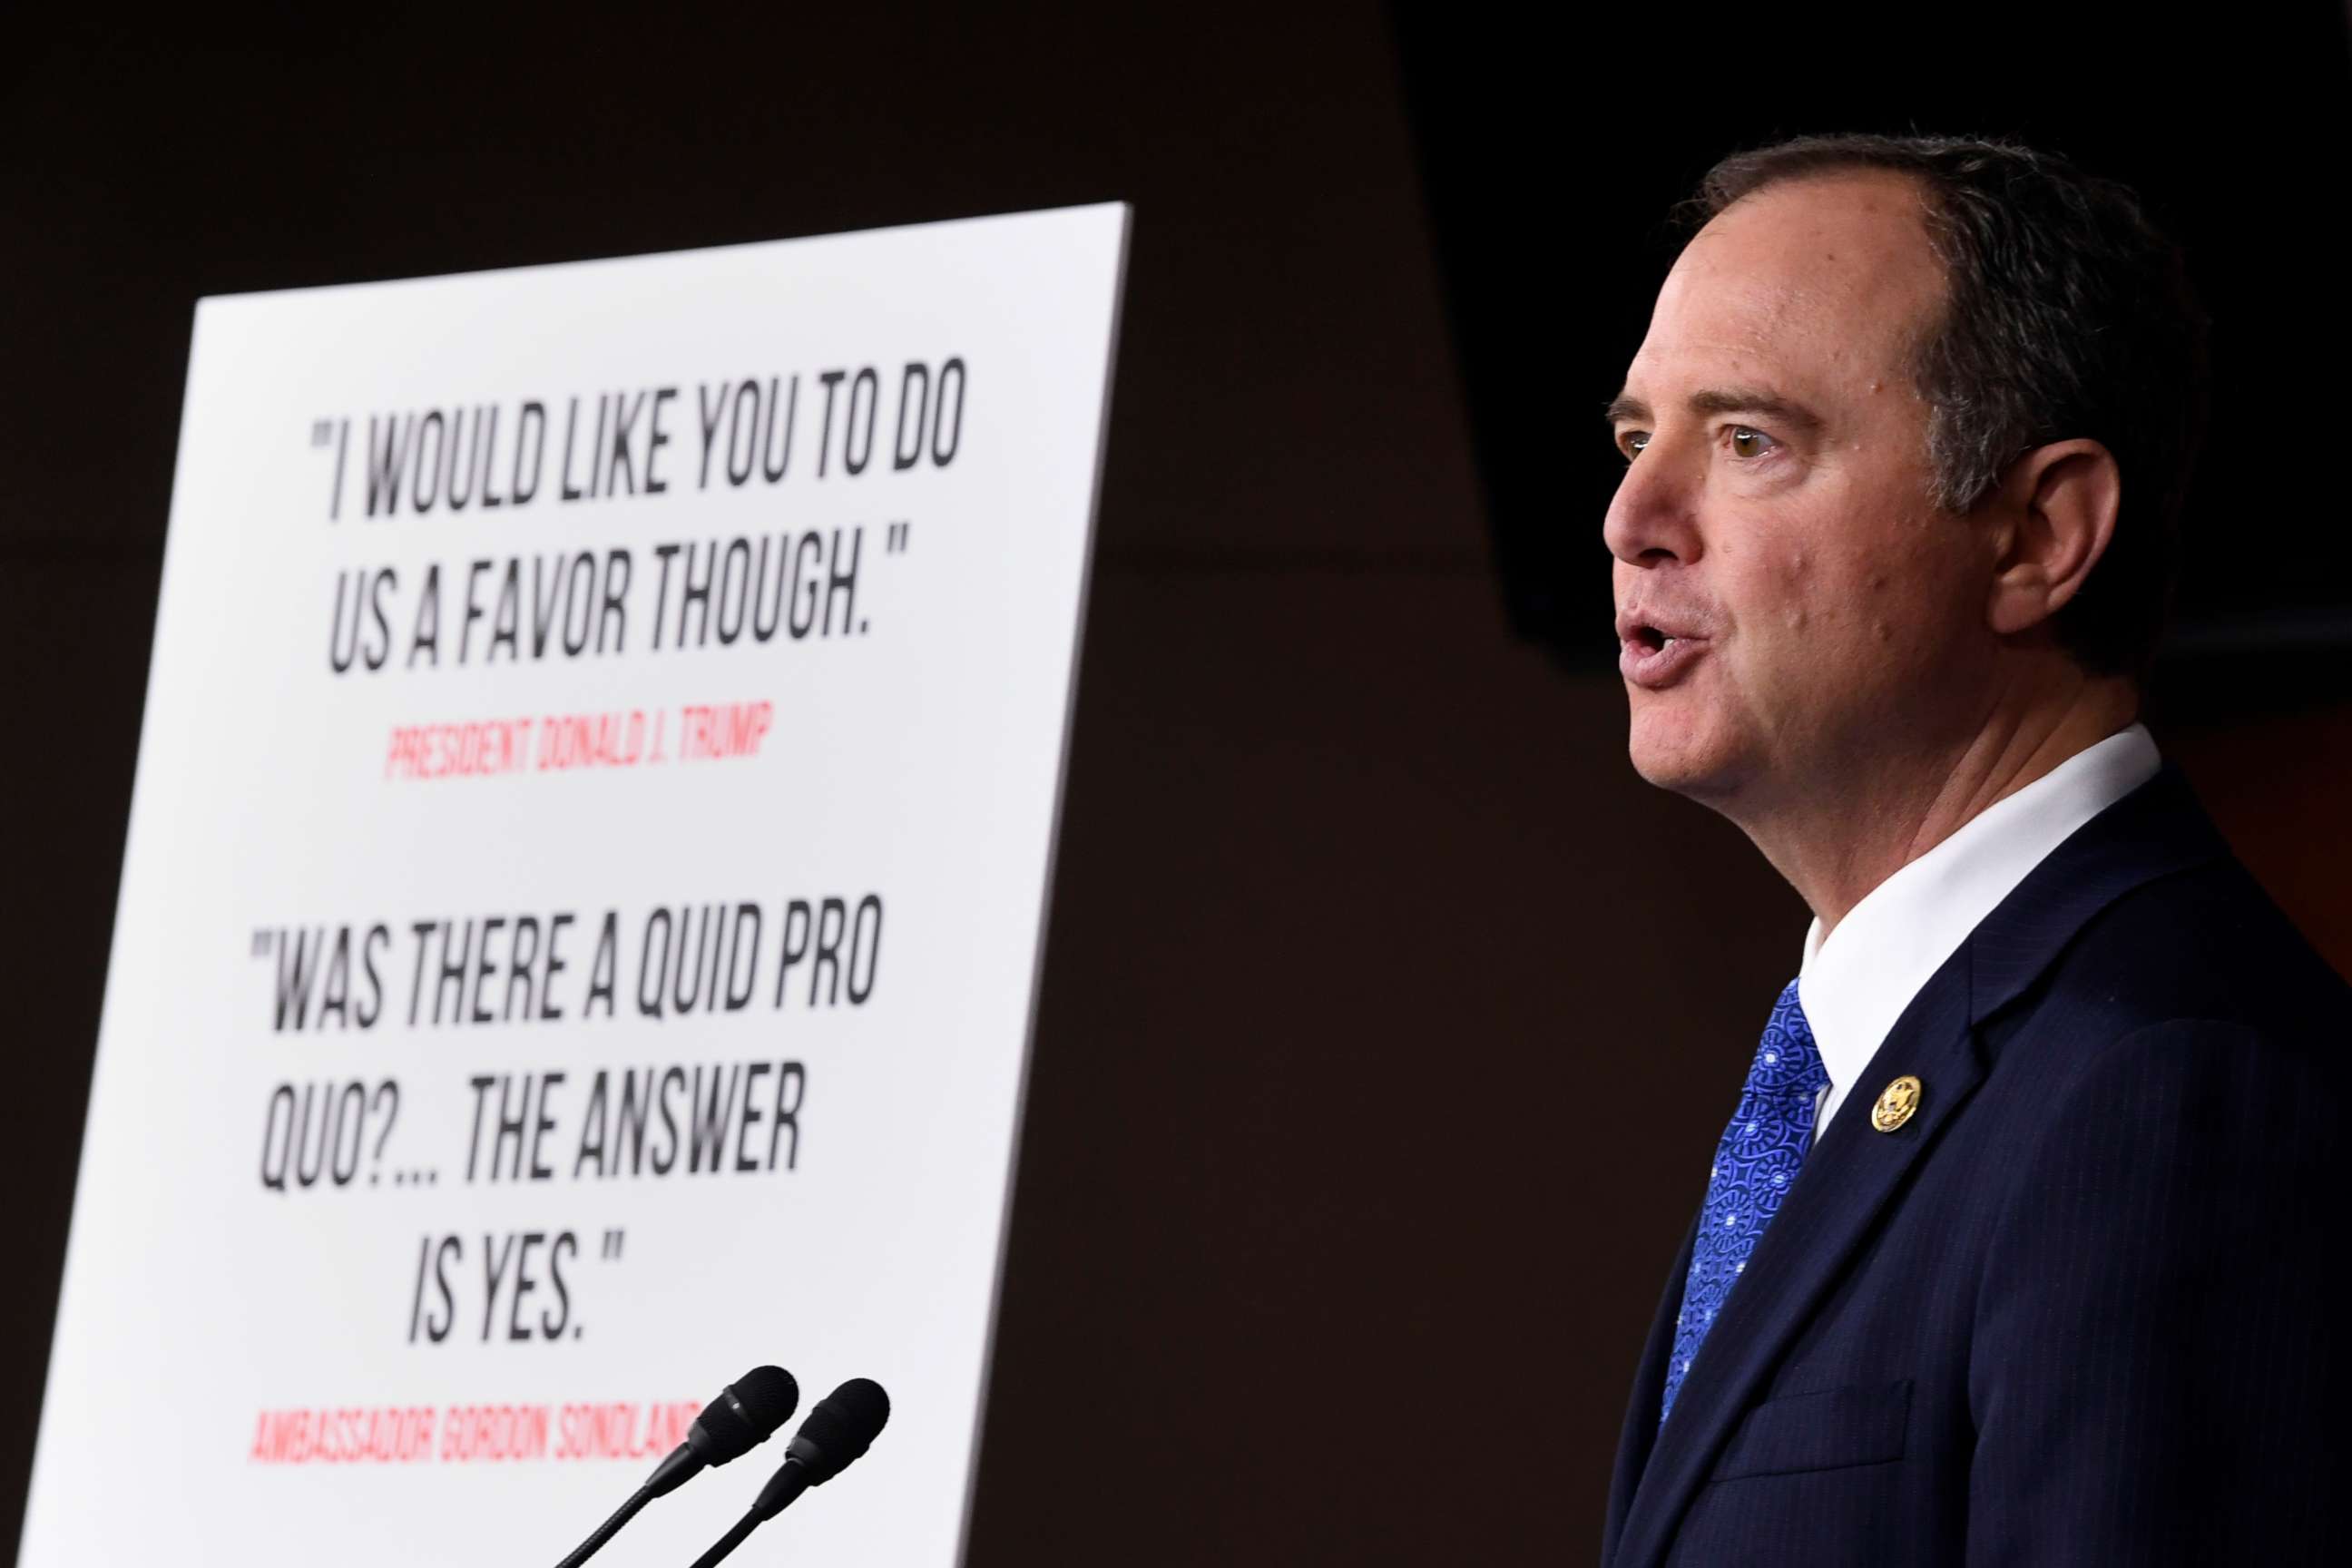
746,1414
841,1428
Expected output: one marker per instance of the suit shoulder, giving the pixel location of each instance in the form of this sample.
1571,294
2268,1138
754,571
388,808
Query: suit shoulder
2189,1014
2205,947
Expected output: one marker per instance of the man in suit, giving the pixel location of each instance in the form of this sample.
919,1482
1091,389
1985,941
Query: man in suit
2026,1241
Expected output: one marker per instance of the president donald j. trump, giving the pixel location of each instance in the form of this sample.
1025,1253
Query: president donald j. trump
2026,1241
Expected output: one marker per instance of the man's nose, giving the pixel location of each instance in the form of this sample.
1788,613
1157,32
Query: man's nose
1654,517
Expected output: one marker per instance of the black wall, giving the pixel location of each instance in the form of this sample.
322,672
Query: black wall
1386,1014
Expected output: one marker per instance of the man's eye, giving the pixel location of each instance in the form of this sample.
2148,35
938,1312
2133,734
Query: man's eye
1747,443
1632,442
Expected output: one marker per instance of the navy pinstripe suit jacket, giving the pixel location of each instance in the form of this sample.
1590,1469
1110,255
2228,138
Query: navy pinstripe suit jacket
2087,1306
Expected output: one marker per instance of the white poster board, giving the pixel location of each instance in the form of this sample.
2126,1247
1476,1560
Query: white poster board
581,913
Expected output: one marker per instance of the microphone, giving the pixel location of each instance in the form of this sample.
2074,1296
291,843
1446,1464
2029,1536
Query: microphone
745,1414
837,1431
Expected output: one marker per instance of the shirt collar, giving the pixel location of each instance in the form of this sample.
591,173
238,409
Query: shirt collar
1856,984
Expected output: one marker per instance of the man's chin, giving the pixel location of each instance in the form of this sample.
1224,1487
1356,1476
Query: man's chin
1672,757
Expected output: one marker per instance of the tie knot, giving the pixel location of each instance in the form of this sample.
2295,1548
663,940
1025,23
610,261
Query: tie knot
1787,1059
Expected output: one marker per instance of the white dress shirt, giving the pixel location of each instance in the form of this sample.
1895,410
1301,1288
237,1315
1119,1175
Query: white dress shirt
1854,985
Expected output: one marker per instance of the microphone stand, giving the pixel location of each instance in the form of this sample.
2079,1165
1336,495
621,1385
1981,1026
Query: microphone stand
610,1528
735,1537
789,1481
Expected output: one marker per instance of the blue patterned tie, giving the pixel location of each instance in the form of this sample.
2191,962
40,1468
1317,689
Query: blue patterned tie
1754,1166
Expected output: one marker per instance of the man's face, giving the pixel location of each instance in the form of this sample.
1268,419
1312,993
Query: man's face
1775,516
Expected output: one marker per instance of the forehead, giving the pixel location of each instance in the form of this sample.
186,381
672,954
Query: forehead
1811,283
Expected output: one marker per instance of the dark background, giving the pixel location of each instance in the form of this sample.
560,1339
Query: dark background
1386,1013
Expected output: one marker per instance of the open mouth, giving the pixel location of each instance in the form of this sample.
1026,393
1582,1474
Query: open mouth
1655,658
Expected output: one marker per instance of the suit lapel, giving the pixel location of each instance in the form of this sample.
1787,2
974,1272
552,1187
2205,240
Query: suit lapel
1649,1388
1856,1169
1843,1184
2156,830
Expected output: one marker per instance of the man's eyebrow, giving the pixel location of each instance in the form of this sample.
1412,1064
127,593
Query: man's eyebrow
1624,407
1765,406
1769,408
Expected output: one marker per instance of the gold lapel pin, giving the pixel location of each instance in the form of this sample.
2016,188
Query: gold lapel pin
1896,1104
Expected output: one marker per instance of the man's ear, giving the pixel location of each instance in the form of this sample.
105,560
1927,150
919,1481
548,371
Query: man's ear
2057,514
